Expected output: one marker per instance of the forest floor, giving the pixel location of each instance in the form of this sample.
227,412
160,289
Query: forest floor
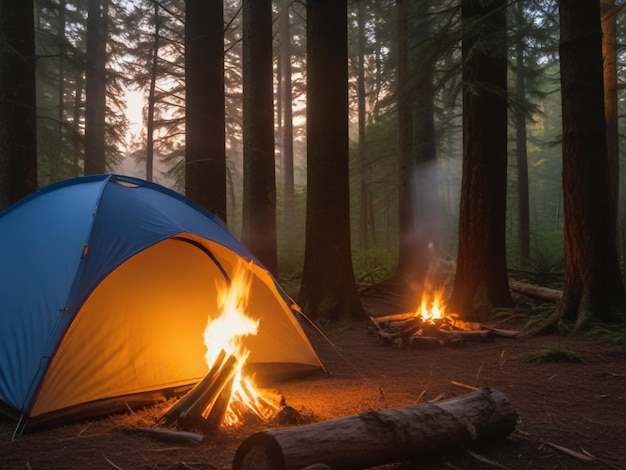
562,407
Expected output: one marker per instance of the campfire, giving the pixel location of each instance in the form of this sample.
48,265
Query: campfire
225,395
430,325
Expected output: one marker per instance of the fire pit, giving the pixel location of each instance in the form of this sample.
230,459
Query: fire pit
430,326
225,395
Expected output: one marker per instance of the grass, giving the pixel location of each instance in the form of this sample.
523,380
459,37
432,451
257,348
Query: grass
551,355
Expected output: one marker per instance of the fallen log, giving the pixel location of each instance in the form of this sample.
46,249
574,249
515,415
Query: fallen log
537,292
382,437
504,333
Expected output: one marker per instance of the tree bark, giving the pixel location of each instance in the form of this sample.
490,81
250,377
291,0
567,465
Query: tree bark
259,189
362,149
95,87
205,152
523,205
380,437
286,92
151,97
407,246
592,288
18,149
609,54
481,281
328,290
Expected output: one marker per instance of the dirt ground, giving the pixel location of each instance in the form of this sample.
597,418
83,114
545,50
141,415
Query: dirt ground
580,407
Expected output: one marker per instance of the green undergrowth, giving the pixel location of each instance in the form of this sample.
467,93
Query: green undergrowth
550,355
609,334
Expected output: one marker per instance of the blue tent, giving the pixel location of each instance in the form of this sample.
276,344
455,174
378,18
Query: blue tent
108,283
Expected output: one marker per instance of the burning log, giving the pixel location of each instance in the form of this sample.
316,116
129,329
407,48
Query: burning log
214,415
194,416
192,396
381,437
204,405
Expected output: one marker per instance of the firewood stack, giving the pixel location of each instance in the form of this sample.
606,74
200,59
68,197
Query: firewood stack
406,330
204,406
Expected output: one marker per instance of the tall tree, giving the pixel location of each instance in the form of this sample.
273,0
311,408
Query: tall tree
95,87
609,53
18,150
56,167
328,290
521,148
151,96
362,149
481,281
592,287
286,138
407,247
259,189
205,154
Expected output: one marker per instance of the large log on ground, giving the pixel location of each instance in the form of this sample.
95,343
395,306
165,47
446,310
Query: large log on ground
381,437
537,292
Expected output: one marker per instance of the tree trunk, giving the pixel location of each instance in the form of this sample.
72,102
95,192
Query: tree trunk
56,165
328,290
151,98
592,288
523,211
205,152
609,53
259,189
289,210
481,281
95,87
77,142
18,148
362,149
406,165
381,437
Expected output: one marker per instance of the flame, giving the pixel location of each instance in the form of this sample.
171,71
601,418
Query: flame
226,333
432,306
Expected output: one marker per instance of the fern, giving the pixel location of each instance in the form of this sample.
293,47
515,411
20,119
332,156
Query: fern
551,355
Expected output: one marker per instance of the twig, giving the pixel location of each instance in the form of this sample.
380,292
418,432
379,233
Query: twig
485,460
572,453
439,397
84,429
173,436
462,385
111,463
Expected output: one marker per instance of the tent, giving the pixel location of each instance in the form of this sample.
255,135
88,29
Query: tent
107,284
